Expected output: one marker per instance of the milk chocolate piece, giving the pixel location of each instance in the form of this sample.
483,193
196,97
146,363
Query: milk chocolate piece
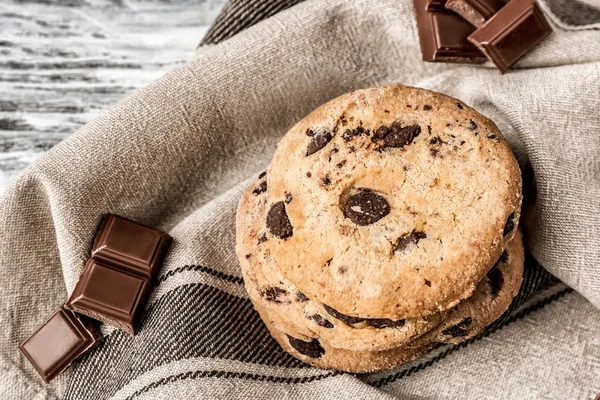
475,11
58,342
113,295
443,35
511,32
130,245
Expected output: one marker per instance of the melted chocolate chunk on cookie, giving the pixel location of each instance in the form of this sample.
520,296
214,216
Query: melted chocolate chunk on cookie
459,330
278,222
319,141
274,294
496,281
320,320
262,175
400,137
301,297
459,105
365,208
406,240
381,132
472,125
310,132
350,134
510,225
381,323
261,188
342,317
310,349
426,107
288,198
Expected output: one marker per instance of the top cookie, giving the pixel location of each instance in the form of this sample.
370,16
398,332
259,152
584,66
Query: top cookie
391,202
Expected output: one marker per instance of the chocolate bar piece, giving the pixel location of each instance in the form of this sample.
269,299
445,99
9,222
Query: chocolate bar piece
511,32
58,342
110,294
443,35
115,283
130,245
475,11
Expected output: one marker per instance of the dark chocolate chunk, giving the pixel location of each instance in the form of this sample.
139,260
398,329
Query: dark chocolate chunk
288,198
472,125
385,323
495,138
459,330
443,35
406,240
310,349
459,105
319,141
510,225
274,294
496,281
350,134
278,222
365,208
261,188
58,342
326,180
475,11
310,132
321,321
400,137
434,140
301,297
341,164
113,295
262,175
129,245
308,174
426,107
511,33
381,132
342,317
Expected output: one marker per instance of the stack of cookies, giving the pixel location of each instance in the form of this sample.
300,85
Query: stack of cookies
386,223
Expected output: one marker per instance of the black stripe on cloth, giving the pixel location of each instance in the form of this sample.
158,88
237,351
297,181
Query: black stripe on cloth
234,375
453,348
207,270
238,15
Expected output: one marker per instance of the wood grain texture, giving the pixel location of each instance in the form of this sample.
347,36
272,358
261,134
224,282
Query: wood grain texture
63,62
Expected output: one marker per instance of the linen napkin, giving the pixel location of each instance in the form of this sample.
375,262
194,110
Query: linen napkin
178,154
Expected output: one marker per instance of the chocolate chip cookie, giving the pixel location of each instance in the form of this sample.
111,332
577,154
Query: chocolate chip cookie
376,197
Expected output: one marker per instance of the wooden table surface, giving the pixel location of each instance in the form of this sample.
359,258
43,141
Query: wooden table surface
63,62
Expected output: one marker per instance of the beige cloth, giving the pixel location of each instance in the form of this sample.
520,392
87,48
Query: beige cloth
177,154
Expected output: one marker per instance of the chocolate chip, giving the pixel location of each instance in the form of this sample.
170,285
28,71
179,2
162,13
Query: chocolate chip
495,138
365,208
434,140
248,256
426,107
433,152
385,323
400,137
320,320
262,175
504,257
427,283
429,129
459,330
326,180
472,125
288,198
308,174
278,222
301,297
510,225
319,141
496,281
350,134
342,317
341,164
310,349
381,132
310,132
459,105
261,188
262,238
406,240
274,294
